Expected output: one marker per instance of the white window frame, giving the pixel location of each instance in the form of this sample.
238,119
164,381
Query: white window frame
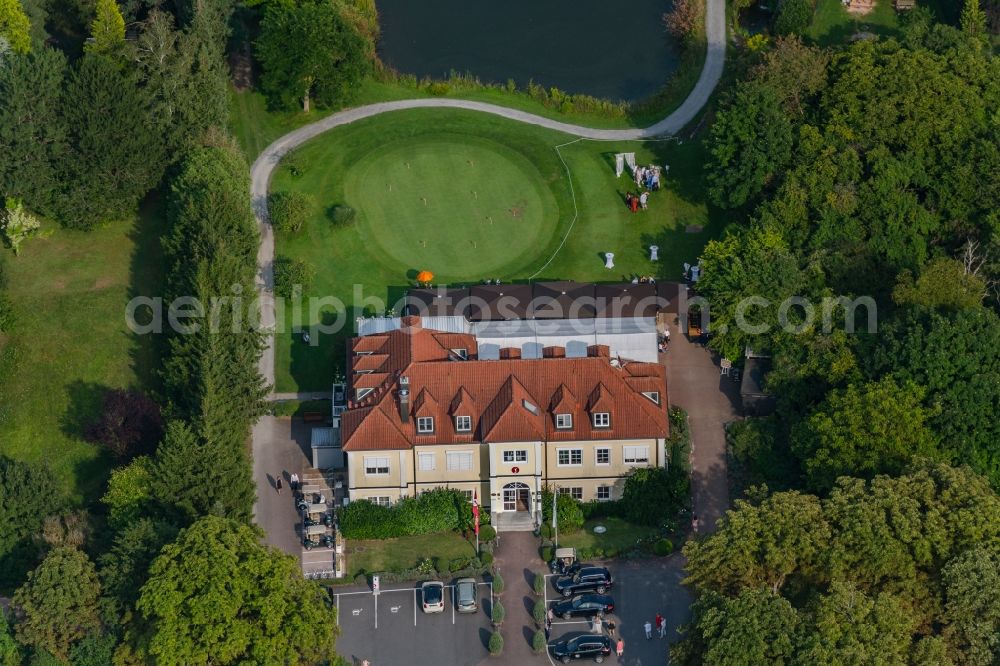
609,493
461,421
454,461
601,419
362,393
564,421
467,493
576,492
381,500
635,455
597,455
373,464
652,395
422,425
570,454
516,456
422,459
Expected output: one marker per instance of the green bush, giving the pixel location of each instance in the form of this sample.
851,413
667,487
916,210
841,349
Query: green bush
439,510
570,513
438,89
653,494
291,272
538,642
498,613
498,583
663,547
289,210
794,16
539,583
548,552
486,558
496,643
539,612
487,533
341,216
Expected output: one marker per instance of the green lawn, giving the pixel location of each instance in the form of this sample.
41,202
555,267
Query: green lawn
69,292
833,24
365,557
376,258
621,535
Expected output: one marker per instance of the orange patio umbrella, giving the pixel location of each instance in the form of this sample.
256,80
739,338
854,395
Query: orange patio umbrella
424,276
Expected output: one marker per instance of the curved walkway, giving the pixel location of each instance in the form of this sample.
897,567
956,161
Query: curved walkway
264,165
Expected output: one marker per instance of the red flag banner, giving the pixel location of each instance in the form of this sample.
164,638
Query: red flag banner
475,512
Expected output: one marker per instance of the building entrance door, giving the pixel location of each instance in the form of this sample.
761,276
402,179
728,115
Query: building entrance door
516,497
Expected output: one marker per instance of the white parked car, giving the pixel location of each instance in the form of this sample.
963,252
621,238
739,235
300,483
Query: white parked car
432,596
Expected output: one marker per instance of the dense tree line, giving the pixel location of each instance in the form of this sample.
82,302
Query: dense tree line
893,571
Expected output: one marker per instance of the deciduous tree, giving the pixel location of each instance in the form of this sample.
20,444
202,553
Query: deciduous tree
15,27
107,30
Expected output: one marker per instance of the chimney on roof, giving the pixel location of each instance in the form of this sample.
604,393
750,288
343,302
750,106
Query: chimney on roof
600,351
404,399
554,352
410,321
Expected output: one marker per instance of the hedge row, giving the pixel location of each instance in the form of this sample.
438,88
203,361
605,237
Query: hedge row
440,510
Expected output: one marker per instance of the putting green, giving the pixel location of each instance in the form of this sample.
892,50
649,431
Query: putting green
454,205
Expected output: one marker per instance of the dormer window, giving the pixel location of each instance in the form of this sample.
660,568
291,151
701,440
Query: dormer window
652,395
425,425
601,420
460,353
564,421
463,424
362,392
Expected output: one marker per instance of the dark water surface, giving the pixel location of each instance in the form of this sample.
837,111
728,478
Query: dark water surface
615,49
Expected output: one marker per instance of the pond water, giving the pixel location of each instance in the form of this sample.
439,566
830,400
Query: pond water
615,49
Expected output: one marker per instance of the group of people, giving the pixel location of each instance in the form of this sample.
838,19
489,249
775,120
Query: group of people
634,202
643,279
598,627
661,627
647,177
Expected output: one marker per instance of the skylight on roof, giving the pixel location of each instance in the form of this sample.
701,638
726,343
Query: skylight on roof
530,407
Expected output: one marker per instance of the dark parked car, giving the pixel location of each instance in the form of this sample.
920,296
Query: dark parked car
584,646
584,605
587,579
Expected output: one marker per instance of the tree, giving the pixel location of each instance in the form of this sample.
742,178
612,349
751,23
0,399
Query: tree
795,71
216,595
59,602
751,143
17,225
308,52
127,497
862,431
116,157
107,30
196,475
27,495
10,654
794,16
973,19
94,650
125,566
129,424
684,19
653,495
290,273
943,283
15,27
290,210
972,590
33,141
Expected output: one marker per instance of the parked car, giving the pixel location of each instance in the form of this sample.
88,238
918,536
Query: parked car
584,605
432,596
465,595
582,646
587,579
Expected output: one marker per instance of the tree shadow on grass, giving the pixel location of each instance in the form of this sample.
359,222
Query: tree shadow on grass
84,406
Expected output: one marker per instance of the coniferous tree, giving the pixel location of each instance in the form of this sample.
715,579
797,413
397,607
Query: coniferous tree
15,28
107,30
33,142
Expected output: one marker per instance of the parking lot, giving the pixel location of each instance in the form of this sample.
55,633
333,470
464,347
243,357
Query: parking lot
641,589
390,629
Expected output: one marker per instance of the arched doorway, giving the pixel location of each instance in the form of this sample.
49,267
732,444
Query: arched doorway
516,497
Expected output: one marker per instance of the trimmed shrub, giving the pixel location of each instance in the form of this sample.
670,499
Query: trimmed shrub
289,210
569,511
496,643
291,272
341,216
653,494
486,558
539,612
539,584
547,553
487,533
439,510
498,583
538,642
498,613
663,547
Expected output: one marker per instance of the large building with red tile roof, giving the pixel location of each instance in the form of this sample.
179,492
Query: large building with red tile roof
426,411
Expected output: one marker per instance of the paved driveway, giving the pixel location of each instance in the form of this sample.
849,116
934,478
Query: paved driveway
280,446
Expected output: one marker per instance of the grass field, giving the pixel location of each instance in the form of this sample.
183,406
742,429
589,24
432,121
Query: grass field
620,535
833,24
377,256
69,292
365,557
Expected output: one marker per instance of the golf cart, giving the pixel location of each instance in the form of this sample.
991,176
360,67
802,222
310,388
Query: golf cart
313,537
564,559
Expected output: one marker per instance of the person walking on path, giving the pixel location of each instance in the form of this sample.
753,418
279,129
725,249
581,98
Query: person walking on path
294,481
548,628
550,615
661,625
620,648
611,628
277,484
649,630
